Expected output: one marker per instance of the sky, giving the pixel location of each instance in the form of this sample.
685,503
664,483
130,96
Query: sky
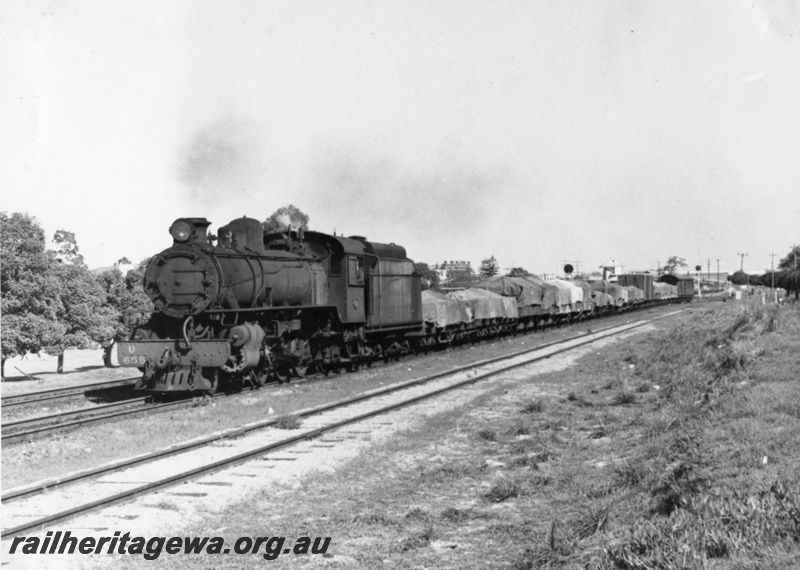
540,132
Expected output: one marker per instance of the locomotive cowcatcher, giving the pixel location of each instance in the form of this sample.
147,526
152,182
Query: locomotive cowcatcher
244,307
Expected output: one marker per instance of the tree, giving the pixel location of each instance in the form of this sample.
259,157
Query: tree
518,272
130,304
430,278
672,265
27,304
739,278
770,277
81,310
68,250
288,215
489,267
790,272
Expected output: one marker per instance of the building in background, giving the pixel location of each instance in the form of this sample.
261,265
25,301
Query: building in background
611,268
443,269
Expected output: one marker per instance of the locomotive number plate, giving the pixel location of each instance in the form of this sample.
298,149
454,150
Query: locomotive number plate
172,352
135,360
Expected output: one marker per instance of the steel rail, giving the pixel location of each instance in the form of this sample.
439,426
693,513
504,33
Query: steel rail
37,431
245,456
55,393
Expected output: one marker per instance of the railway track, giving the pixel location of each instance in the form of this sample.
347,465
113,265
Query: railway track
61,393
31,428
29,510
28,429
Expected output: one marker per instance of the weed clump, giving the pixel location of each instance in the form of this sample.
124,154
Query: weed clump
534,406
417,514
289,421
579,400
519,428
417,540
555,550
502,490
455,515
623,399
592,519
487,435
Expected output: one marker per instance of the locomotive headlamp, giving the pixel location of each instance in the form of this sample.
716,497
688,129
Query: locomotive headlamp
180,230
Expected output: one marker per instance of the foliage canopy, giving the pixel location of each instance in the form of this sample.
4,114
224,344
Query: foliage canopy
489,267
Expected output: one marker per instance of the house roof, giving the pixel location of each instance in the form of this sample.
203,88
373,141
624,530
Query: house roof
610,263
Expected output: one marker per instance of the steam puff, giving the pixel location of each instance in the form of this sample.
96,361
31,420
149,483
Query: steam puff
285,220
223,157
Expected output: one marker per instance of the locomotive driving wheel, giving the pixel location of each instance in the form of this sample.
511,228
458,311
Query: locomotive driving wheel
300,369
302,349
282,372
259,377
212,375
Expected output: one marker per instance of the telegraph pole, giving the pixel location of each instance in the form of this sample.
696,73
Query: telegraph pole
772,268
742,255
708,271
718,285
741,267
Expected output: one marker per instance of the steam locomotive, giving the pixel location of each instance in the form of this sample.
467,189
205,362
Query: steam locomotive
244,307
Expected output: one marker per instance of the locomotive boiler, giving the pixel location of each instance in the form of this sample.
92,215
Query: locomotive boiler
250,307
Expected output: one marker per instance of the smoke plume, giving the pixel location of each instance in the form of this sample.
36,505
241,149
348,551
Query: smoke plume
222,158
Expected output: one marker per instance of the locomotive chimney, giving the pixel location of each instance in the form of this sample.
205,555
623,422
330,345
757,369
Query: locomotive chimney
200,230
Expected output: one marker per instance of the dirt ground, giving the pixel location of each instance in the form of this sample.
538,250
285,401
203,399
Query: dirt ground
80,367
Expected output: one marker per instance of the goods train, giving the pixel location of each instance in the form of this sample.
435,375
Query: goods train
245,307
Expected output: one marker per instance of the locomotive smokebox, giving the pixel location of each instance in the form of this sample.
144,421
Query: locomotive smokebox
193,276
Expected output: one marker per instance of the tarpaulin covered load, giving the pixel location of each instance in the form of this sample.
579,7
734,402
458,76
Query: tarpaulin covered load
643,281
602,299
443,311
563,297
487,305
526,292
619,294
549,293
588,301
599,285
634,294
575,292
